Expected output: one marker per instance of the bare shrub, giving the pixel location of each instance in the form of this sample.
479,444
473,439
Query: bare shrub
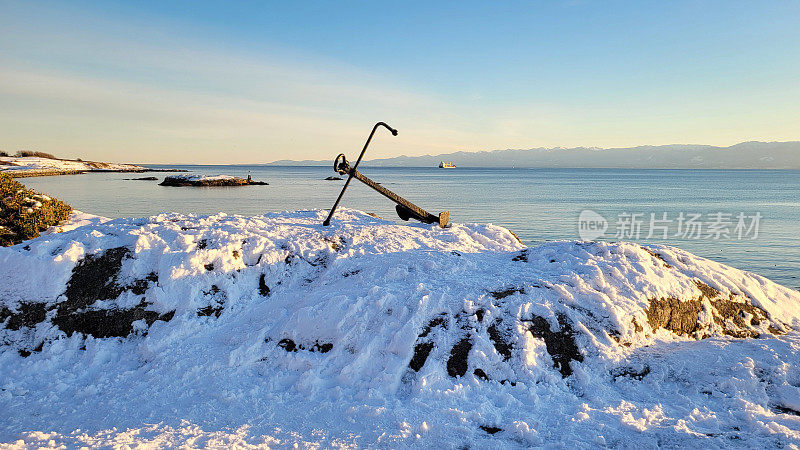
24,153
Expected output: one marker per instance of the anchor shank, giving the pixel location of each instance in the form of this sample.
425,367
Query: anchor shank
419,213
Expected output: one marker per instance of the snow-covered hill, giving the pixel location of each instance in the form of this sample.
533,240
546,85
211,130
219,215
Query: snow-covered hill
35,165
228,330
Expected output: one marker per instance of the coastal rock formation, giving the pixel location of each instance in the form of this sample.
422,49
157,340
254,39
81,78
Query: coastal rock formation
462,335
202,180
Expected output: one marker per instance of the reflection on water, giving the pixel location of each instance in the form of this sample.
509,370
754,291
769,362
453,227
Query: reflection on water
537,204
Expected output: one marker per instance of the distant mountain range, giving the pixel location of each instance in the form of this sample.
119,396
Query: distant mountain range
747,155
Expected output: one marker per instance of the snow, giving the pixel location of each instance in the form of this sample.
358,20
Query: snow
75,220
260,373
32,163
199,177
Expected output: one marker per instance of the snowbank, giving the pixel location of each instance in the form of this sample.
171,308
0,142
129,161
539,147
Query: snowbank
76,219
274,330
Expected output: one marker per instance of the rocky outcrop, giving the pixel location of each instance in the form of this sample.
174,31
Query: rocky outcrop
201,181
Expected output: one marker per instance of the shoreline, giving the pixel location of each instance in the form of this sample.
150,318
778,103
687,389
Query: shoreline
37,166
53,172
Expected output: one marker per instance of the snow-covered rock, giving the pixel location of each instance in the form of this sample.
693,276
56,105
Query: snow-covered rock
229,330
206,180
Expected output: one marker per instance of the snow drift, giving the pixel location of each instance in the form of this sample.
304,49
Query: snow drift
274,330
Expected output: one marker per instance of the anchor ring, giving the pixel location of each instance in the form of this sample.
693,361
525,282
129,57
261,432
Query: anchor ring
343,167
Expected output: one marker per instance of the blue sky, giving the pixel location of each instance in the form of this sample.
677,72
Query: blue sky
194,81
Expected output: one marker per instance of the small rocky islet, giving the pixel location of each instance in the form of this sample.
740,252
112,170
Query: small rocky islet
203,181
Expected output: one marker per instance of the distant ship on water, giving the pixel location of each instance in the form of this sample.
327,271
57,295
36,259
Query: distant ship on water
446,165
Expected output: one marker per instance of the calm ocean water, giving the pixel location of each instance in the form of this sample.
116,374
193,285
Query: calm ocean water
537,204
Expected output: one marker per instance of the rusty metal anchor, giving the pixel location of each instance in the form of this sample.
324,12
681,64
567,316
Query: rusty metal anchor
405,209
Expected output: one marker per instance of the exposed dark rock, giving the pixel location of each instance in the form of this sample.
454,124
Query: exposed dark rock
630,372
560,344
336,244
458,361
502,346
506,292
218,304
682,316
214,289
424,345
707,291
94,278
332,178
786,410
522,256
104,323
288,345
490,430
322,348
439,321
421,352
480,374
210,310
291,346
202,243
29,315
736,312
209,267
657,255
263,289
139,287
142,179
